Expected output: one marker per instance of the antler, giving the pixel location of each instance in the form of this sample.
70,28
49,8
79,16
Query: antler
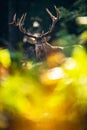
54,21
42,47
19,23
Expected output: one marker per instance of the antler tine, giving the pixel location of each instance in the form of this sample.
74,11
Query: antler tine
19,23
57,12
49,13
54,21
14,21
23,19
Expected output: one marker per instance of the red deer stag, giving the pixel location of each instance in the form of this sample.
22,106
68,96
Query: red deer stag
42,47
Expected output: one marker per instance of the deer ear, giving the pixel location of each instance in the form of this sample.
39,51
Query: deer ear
48,38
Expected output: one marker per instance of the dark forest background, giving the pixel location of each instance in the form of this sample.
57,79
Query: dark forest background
67,26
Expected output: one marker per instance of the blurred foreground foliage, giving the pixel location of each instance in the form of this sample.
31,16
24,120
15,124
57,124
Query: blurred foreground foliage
43,95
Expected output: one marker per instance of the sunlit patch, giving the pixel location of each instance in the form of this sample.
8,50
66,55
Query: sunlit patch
52,76
81,20
70,64
55,73
36,24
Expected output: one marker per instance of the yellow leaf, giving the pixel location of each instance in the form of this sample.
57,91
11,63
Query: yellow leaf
5,58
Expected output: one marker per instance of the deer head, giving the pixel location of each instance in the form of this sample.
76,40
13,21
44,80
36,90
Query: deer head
42,47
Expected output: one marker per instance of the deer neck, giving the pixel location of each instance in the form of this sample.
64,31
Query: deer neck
40,51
